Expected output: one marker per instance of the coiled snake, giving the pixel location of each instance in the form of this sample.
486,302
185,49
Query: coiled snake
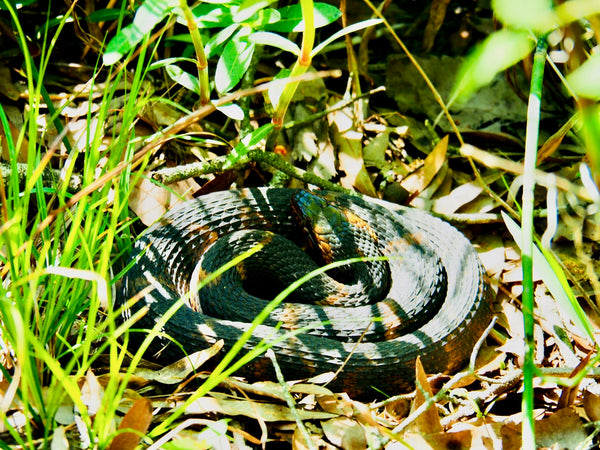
429,298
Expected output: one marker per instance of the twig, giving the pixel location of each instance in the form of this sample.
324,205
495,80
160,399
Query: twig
541,177
172,174
337,107
50,177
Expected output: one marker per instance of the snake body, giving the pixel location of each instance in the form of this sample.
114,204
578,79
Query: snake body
436,302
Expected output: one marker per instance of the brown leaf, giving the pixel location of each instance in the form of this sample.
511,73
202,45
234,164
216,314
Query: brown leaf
316,437
552,143
150,201
262,411
564,428
179,370
437,12
138,418
14,117
337,404
349,142
345,433
420,179
92,393
591,403
429,421
463,439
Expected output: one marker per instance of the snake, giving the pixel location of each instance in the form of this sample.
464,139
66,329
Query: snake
415,287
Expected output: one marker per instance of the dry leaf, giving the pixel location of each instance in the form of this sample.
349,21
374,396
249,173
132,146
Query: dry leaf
591,403
179,370
398,409
59,439
437,12
463,439
267,412
461,196
552,143
138,418
345,433
419,180
337,404
15,121
150,201
563,428
316,437
349,144
429,421
92,393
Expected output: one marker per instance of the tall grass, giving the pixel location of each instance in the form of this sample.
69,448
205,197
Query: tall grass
56,262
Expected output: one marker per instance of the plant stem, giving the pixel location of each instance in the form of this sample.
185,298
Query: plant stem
202,63
301,65
533,120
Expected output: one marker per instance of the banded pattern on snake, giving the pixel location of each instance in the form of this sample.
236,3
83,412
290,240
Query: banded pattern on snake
429,298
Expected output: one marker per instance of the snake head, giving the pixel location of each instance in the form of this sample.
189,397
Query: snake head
327,226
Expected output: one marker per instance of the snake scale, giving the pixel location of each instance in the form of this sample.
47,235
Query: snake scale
434,303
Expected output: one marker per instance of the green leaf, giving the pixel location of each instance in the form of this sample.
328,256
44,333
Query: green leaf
232,111
215,44
344,31
498,52
535,15
274,40
106,15
585,80
276,89
264,17
148,15
246,144
183,78
211,15
291,17
249,8
17,4
234,62
170,61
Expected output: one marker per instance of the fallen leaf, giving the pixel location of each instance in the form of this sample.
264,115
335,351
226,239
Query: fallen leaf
429,421
437,13
267,412
349,143
150,201
179,370
563,429
591,402
92,393
462,195
337,404
138,418
345,433
419,180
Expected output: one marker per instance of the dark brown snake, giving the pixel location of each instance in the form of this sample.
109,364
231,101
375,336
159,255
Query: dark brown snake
434,301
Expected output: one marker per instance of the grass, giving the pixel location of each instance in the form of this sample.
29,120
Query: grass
56,295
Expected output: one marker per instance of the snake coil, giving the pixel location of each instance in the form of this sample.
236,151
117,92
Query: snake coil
438,270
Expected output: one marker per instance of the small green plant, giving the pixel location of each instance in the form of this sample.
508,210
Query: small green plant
232,30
